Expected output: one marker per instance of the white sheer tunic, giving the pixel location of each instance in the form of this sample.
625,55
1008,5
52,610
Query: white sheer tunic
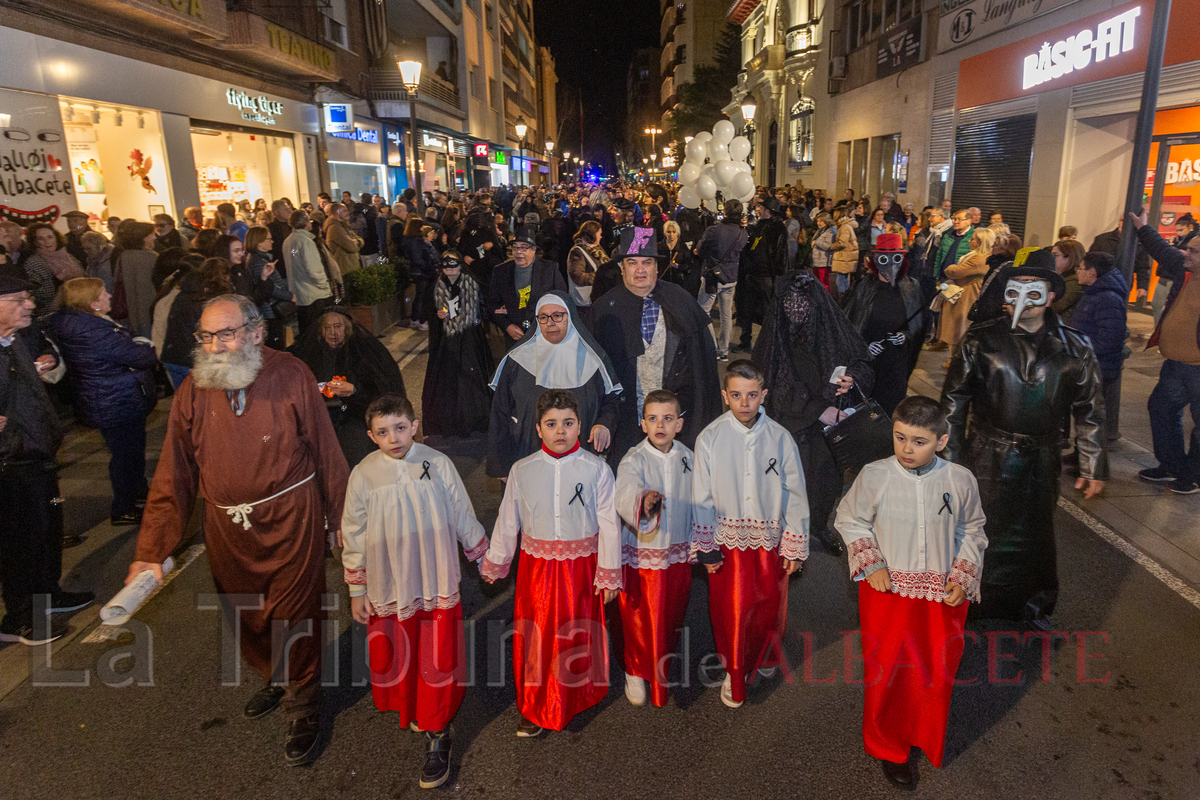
666,538
400,527
748,489
925,529
563,508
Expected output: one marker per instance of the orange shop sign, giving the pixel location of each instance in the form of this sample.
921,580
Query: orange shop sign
1101,46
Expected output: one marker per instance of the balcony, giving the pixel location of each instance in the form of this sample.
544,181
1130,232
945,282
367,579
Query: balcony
266,42
740,9
667,90
666,62
770,57
668,21
386,85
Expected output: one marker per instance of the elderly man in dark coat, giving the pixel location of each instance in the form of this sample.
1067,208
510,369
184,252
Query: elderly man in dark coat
657,337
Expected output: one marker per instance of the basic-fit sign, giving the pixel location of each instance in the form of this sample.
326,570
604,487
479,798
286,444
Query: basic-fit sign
1111,38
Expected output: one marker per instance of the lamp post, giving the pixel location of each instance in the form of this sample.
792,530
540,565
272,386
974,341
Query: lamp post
653,132
410,73
521,127
748,109
550,158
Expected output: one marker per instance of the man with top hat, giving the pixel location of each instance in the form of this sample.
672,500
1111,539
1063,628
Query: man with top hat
764,258
888,314
31,536
657,337
518,284
1012,385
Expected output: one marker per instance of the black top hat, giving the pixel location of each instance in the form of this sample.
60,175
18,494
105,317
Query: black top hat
1038,264
525,235
638,242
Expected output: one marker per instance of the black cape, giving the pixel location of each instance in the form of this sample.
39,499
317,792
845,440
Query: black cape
364,362
456,399
689,368
871,300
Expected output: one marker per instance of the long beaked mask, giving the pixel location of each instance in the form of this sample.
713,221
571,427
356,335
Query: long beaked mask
888,265
1023,294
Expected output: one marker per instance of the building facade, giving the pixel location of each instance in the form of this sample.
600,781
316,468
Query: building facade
642,84
689,33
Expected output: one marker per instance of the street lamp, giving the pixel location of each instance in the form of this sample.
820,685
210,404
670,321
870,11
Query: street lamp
652,132
521,127
748,109
550,157
410,74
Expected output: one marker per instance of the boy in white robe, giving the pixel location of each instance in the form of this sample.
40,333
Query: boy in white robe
406,511
750,528
561,502
654,498
913,525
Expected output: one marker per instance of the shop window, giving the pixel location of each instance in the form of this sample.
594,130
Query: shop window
865,20
801,133
355,178
334,12
236,165
118,160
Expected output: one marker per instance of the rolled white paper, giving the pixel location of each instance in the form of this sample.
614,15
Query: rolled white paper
119,610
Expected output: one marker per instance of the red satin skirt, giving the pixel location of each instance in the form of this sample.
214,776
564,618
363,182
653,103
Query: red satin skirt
418,666
911,650
560,647
747,603
652,607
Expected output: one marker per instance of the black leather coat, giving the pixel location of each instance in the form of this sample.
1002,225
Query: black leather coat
1009,395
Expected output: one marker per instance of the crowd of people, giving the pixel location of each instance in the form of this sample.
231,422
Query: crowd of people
573,327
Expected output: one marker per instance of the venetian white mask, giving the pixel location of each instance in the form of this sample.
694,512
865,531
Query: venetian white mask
1023,294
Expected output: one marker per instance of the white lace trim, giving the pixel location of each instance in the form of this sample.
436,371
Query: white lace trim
419,604
655,558
608,578
966,574
560,549
864,553
928,585
748,534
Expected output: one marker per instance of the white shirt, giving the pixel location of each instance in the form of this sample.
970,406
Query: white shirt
925,529
564,508
748,488
399,525
666,538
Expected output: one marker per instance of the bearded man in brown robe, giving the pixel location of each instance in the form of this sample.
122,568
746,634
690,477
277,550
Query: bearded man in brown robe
249,432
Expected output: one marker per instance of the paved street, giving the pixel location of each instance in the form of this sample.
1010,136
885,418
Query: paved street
1106,710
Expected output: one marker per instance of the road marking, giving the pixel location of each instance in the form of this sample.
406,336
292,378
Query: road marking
105,632
1116,540
408,358
490,607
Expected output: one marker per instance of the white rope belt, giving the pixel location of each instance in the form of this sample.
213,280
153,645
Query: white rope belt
241,513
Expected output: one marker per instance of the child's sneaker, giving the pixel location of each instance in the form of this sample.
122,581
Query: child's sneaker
635,689
528,729
727,693
437,759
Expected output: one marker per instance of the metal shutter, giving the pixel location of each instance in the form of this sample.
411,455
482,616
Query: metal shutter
992,162
941,124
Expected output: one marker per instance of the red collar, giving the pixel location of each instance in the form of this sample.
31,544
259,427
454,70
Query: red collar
553,454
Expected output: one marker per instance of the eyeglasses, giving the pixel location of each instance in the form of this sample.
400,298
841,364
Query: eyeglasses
557,316
224,335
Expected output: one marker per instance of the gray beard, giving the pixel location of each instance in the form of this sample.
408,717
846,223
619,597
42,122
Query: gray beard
229,371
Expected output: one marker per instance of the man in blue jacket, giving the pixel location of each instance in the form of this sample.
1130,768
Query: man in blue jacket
1100,315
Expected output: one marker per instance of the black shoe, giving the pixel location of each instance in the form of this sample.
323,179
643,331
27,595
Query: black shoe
1156,475
302,738
528,729
902,775
13,629
265,701
437,760
833,542
132,518
72,541
1183,486
61,601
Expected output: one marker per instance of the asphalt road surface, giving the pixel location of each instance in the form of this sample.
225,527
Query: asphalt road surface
1108,710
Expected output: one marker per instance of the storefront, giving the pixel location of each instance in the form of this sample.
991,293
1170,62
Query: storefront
499,168
356,160
156,140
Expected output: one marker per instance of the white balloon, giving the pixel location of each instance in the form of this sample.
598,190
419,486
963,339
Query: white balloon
739,148
724,172
696,151
742,183
689,197
706,187
688,173
724,131
703,136
717,151
747,197
742,166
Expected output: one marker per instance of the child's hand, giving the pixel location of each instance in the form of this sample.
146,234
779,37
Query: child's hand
792,565
360,609
607,595
650,503
954,594
880,580
714,568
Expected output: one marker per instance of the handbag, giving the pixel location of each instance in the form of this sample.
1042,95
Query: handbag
865,435
952,293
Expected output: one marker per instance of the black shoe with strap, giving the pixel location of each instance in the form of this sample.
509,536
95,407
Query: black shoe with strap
436,770
902,775
302,738
264,701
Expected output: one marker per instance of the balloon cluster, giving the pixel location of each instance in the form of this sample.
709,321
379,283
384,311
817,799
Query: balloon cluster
716,162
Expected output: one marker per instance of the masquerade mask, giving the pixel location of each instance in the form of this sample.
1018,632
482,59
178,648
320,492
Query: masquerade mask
888,265
1024,294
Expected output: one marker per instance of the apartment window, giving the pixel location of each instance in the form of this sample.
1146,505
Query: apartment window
335,23
476,83
489,17
801,133
866,19
493,94
681,54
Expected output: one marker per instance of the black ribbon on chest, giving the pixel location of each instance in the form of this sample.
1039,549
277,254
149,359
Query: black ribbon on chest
686,468
578,495
425,472
945,505
771,468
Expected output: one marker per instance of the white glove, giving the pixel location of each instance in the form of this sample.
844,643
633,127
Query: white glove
875,348
898,339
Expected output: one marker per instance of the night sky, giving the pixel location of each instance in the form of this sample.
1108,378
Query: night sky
593,42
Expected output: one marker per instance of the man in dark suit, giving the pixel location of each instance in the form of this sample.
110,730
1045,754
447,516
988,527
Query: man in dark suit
518,284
